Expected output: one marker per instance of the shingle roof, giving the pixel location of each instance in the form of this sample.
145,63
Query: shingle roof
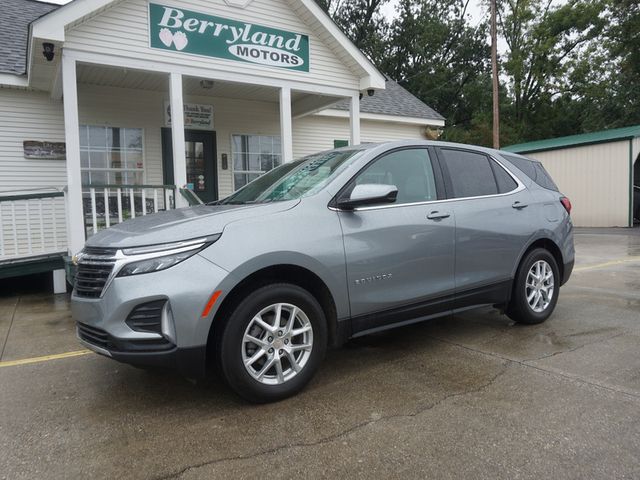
393,100
575,140
14,23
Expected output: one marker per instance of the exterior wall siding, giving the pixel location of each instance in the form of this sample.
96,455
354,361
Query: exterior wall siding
29,116
30,227
316,133
596,180
122,30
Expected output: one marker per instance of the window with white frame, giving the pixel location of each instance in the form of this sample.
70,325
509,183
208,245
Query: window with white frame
254,155
111,155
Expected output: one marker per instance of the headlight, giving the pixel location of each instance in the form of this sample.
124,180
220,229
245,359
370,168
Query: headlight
154,264
154,258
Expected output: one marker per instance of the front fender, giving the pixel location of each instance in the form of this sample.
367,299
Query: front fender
334,280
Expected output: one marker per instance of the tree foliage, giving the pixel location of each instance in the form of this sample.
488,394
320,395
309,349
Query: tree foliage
567,66
362,22
434,53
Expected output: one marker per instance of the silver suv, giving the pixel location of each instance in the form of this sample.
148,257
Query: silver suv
317,251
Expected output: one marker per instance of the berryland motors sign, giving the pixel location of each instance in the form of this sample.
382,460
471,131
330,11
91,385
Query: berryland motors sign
186,31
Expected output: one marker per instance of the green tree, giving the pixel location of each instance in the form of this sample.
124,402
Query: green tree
543,42
362,21
435,53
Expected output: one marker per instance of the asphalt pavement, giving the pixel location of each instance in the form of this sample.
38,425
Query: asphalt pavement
470,396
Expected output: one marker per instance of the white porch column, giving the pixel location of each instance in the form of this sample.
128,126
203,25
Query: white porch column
177,136
286,128
75,214
354,119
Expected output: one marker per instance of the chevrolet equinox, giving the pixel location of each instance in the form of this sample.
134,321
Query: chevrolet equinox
330,247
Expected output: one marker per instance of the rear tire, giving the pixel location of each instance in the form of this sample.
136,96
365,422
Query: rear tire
535,288
273,343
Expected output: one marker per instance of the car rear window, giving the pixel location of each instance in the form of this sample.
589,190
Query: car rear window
534,170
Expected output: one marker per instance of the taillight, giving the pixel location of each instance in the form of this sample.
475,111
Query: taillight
566,203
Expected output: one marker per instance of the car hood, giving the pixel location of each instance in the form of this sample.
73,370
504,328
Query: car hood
181,224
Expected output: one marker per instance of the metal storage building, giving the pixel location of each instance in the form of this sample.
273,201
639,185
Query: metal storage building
597,171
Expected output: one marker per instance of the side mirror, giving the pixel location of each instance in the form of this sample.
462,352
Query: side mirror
369,194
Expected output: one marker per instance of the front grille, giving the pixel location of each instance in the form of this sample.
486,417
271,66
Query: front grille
105,252
94,269
91,278
147,317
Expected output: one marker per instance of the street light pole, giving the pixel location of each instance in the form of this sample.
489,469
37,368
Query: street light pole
494,69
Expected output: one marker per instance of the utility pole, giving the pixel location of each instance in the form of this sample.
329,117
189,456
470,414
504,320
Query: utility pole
494,69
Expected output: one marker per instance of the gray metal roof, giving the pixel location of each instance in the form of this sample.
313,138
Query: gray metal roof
15,17
393,100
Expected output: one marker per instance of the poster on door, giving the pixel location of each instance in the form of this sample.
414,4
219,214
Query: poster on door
196,116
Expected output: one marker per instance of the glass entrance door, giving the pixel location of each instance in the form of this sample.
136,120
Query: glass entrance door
200,154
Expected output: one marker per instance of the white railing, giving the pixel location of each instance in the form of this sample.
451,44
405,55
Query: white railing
107,205
32,224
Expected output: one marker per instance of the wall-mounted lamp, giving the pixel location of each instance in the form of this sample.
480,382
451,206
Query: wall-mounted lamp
206,84
47,51
370,92
361,95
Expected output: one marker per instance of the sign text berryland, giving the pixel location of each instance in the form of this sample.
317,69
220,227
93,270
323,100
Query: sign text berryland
186,31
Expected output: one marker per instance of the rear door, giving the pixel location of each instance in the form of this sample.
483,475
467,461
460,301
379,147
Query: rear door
400,256
494,221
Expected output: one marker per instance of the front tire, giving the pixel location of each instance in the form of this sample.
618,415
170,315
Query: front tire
535,289
273,343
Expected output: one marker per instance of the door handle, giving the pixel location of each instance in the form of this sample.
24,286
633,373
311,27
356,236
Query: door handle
519,205
435,215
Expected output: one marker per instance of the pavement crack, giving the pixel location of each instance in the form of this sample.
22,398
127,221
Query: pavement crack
570,350
344,433
634,395
6,338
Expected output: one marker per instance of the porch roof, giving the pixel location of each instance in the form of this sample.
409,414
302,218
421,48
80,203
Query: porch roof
393,100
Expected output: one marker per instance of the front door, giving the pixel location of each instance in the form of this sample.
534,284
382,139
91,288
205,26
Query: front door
400,257
200,152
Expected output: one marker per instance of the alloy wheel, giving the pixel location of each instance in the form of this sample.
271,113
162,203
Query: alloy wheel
539,286
277,343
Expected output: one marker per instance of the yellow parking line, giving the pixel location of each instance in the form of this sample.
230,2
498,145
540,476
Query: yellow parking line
607,264
46,358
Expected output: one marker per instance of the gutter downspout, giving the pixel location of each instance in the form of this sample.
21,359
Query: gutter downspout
631,178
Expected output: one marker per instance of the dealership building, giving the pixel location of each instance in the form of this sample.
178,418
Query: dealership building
87,91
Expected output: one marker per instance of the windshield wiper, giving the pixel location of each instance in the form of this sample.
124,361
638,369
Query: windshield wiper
239,202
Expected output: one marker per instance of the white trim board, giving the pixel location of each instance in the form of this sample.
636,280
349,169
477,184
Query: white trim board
380,117
207,73
10,80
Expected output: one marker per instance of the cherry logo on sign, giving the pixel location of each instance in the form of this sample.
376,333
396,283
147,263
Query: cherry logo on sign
179,39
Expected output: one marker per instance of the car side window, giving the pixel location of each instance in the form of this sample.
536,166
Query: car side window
409,170
470,174
505,182
534,170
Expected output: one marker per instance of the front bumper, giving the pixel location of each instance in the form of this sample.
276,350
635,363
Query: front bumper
190,362
181,345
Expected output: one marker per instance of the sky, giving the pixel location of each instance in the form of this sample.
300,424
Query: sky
475,9
389,9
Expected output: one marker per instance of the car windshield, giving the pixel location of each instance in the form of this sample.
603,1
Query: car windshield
293,180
